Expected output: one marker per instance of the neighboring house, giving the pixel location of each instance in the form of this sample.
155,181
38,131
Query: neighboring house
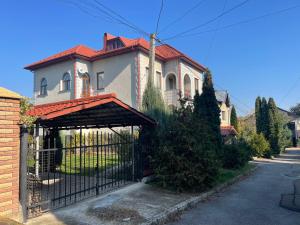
121,66
292,119
225,107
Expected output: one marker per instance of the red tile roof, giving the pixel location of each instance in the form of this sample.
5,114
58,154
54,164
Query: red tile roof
228,130
55,110
164,52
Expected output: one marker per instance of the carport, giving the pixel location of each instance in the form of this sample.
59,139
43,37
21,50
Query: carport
81,150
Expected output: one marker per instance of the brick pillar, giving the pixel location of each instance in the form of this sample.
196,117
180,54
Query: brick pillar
9,153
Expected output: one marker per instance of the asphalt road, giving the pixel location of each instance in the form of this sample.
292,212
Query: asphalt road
253,201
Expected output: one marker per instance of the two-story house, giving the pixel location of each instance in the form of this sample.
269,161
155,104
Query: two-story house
121,66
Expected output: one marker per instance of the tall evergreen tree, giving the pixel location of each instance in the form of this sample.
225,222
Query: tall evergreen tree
273,127
258,115
234,119
208,109
264,120
153,103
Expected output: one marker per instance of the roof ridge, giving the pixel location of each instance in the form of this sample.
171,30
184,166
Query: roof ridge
109,95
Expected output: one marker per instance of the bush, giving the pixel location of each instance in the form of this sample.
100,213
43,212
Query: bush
236,155
260,146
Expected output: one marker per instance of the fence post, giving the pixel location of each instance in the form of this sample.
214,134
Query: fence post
23,173
133,161
37,147
97,167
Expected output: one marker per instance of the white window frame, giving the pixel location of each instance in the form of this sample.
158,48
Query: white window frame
158,79
100,86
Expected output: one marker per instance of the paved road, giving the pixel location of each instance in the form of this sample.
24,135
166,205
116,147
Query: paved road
253,201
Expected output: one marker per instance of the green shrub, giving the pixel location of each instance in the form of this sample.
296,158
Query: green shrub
236,155
184,162
260,146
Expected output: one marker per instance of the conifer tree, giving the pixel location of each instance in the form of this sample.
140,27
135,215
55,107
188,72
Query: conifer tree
264,120
273,127
208,109
258,115
153,103
234,119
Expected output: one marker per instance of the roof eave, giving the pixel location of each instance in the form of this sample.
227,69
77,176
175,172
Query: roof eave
72,56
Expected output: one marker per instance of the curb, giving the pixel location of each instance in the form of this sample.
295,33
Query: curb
192,202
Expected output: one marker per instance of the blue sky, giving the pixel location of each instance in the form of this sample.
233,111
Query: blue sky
258,58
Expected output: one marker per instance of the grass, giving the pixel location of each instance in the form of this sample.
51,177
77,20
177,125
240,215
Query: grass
229,174
88,163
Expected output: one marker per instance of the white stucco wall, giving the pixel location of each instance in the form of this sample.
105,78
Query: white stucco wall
85,67
53,75
192,73
120,77
144,63
227,111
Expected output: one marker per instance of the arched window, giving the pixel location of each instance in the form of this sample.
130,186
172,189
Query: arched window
43,88
187,86
171,82
66,82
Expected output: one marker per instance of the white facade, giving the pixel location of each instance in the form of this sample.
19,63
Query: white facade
124,74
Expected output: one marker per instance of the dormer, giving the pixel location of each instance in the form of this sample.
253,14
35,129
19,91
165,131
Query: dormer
112,42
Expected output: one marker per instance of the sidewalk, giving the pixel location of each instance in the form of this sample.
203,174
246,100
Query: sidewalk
138,203
135,204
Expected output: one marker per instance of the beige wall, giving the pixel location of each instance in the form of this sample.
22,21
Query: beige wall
227,111
120,76
192,73
53,74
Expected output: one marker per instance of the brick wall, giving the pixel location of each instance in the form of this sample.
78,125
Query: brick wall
9,156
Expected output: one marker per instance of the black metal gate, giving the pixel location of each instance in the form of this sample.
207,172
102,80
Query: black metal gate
62,172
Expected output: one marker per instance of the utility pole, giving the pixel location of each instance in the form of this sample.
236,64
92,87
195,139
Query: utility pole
152,57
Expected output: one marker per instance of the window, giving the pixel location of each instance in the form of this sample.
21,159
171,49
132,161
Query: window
223,115
66,82
100,80
196,84
147,71
158,80
43,88
114,44
85,86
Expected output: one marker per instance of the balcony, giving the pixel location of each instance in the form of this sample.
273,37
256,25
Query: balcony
171,97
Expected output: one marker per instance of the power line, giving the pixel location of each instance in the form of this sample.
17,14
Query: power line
160,11
121,18
182,16
240,22
215,34
209,21
112,15
85,10
290,90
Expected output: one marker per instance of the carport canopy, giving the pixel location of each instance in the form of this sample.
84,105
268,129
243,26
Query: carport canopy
92,112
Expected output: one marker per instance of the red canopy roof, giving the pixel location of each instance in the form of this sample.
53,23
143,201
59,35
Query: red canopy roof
228,130
101,111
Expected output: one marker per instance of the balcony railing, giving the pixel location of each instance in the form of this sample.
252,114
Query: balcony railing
171,97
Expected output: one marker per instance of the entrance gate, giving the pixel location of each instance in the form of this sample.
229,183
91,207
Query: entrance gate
62,171
79,166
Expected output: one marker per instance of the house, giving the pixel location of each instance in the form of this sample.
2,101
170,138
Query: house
293,122
223,99
121,66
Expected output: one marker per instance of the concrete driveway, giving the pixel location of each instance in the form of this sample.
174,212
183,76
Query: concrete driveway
253,201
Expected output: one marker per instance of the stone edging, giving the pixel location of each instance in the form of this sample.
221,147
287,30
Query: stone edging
192,202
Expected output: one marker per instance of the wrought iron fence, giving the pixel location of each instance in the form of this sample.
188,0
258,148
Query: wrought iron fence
62,172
